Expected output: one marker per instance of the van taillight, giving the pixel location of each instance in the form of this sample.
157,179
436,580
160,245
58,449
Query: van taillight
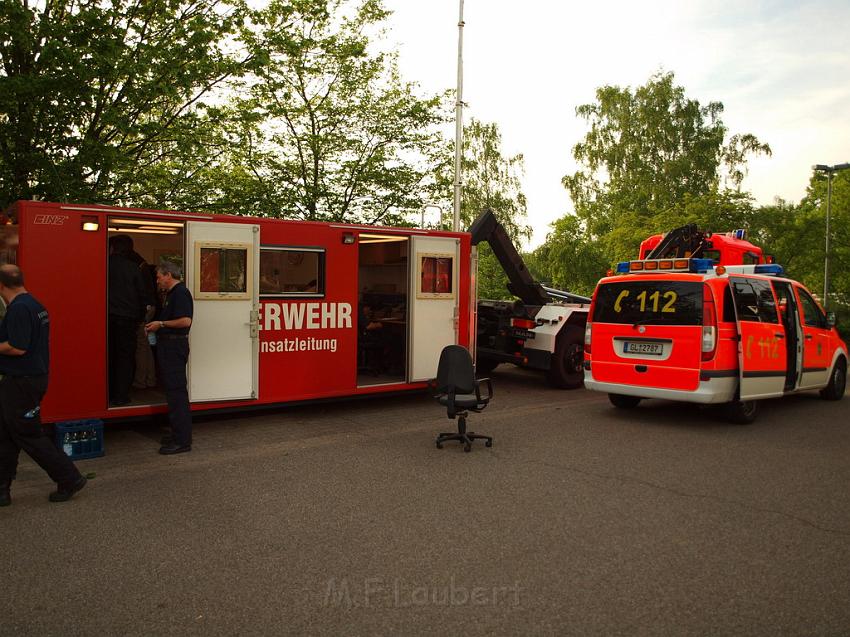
709,324
587,338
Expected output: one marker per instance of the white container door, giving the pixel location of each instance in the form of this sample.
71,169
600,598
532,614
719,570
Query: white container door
433,303
221,272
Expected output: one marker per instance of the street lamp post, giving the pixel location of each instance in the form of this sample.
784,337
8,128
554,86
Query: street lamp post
829,171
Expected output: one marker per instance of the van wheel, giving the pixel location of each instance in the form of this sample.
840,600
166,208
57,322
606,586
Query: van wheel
837,382
624,402
566,367
742,412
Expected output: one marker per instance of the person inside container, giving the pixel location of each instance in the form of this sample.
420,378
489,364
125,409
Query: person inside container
145,367
127,305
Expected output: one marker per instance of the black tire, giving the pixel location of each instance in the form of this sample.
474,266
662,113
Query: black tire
621,401
566,367
484,366
837,382
742,412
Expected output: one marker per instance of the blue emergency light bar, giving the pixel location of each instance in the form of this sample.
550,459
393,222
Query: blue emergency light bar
769,268
701,265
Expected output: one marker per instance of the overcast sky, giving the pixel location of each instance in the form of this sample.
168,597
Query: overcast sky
781,69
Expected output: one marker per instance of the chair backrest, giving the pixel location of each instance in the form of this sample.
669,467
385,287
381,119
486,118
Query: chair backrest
455,371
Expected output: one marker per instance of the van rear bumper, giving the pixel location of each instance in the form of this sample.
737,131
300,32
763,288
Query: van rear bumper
716,390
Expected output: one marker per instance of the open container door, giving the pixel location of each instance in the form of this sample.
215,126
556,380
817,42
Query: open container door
761,347
433,315
222,274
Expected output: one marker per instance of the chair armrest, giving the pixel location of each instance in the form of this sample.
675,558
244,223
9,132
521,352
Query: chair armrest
489,394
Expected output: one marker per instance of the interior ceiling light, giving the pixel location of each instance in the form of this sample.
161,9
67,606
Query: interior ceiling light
379,238
146,222
144,231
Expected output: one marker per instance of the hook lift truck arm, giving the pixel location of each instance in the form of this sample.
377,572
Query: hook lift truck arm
543,329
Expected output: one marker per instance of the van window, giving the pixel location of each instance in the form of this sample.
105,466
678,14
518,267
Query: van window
754,300
812,316
649,303
728,305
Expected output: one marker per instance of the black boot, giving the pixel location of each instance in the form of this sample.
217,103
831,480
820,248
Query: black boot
66,492
5,498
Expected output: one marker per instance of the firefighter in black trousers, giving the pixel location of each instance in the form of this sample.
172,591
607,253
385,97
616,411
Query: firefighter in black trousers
127,302
24,363
172,354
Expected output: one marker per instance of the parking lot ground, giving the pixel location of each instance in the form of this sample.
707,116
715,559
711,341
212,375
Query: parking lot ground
343,518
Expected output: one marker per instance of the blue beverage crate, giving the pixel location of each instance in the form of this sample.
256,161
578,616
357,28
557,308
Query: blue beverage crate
80,439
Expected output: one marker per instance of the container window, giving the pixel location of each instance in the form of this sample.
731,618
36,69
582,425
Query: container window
436,276
224,271
649,303
8,244
287,272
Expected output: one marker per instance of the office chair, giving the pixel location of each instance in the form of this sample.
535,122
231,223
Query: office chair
459,391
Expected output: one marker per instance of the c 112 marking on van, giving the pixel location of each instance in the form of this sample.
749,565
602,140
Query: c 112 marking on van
299,345
275,316
670,297
768,347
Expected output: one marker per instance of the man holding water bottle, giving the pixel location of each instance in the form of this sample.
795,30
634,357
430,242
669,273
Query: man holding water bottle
24,363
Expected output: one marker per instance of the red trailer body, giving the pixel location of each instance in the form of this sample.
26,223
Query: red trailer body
277,303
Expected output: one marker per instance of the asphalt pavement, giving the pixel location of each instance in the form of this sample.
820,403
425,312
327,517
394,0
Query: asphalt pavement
344,519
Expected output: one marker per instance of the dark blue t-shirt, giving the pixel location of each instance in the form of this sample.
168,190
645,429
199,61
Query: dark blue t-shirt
27,327
178,304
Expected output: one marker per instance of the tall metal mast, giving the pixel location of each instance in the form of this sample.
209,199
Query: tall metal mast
458,122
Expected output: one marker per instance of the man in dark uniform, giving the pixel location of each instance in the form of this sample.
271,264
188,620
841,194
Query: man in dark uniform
172,354
24,363
127,303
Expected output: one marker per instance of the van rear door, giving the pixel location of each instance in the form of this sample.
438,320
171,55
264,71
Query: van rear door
762,361
647,332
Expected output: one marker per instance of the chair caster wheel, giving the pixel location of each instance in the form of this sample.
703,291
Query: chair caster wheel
488,443
467,447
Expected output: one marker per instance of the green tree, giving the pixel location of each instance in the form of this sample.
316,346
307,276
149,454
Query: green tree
649,155
809,247
338,135
101,101
490,180
568,259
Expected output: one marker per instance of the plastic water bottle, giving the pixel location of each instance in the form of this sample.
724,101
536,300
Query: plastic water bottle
67,447
152,338
32,413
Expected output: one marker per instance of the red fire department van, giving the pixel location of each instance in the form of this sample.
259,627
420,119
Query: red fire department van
278,303
706,319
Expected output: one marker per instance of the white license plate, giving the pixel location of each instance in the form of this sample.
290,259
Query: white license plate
652,349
